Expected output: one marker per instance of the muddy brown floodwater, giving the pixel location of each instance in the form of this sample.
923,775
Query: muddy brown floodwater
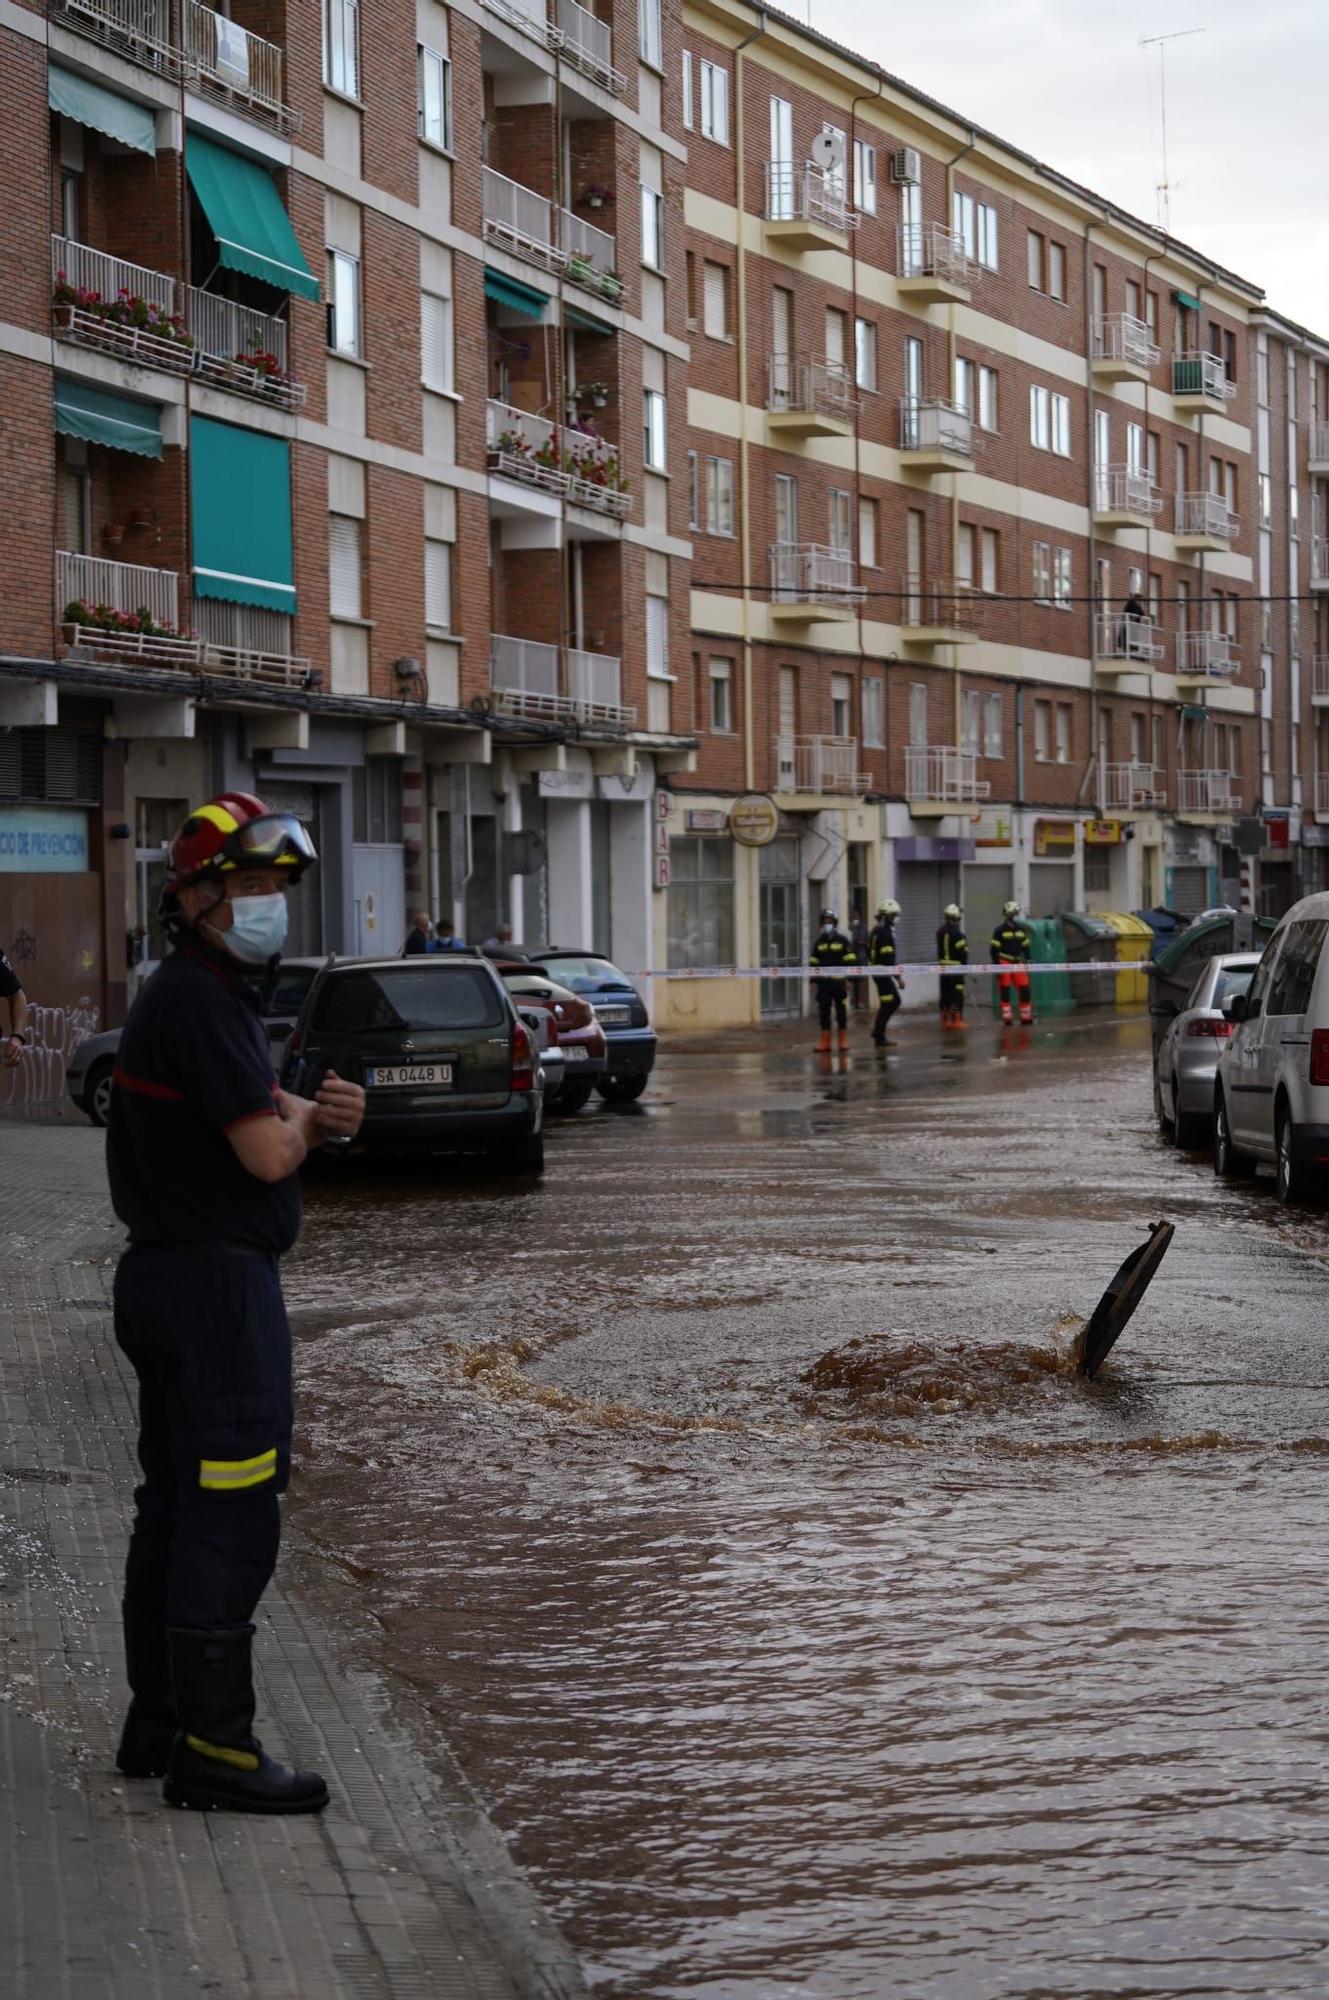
807,1624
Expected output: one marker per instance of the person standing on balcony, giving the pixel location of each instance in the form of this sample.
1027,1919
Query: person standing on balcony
1133,616
881,952
952,949
1012,948
832,953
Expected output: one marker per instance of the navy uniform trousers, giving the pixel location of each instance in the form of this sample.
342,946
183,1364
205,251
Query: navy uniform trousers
206,1330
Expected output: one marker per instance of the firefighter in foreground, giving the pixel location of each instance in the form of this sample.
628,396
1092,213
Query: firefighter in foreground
1012,947
881,952
203,1151
952,949
833,953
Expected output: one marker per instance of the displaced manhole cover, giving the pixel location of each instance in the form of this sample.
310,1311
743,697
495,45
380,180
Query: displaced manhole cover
1122,1296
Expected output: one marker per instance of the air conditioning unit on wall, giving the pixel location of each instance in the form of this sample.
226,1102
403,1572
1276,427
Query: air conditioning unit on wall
907,166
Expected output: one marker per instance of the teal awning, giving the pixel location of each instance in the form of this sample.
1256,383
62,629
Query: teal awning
102,417
587,321
93,105
518,298
245,214
240,502
1185,299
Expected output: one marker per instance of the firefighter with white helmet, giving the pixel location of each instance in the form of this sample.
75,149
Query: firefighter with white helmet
1012,947
952,949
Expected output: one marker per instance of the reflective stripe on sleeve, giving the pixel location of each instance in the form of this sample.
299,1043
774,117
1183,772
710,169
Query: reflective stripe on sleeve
227,1475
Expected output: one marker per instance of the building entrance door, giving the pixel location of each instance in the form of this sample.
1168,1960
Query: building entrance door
778,941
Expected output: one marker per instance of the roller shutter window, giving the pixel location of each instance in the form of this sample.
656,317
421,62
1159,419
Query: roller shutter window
344,598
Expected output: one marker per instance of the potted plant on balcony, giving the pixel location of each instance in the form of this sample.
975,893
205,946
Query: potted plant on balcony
266,366
595,196
79,615
611,285
580,269
592,395
126,309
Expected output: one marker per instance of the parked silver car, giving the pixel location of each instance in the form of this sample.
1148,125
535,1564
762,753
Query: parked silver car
1187,1058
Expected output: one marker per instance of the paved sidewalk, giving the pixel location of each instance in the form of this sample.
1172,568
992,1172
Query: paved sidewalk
402,1888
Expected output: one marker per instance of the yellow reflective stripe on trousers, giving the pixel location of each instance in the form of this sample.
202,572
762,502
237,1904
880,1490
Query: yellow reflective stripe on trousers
223,1753
229,1474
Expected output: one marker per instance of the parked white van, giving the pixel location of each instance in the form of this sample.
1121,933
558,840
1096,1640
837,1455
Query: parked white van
1271,1093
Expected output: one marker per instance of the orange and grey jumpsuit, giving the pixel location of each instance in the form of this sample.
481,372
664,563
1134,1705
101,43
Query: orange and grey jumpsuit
1011,948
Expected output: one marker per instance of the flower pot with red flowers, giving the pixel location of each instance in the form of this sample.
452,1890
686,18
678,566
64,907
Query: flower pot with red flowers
596,196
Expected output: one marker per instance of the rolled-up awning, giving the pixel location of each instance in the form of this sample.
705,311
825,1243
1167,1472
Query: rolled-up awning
1185,299
587,321
245,214
240,506
102,417
102,110
522,299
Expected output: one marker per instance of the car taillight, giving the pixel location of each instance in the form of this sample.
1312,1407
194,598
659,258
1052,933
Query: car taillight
1320,1055
523,1058
1219,1029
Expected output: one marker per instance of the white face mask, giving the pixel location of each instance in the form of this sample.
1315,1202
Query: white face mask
258,927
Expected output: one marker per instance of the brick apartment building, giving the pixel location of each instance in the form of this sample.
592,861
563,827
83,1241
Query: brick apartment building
503,506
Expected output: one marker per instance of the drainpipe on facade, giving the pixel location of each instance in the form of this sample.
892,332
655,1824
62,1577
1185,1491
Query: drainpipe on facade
951,340
744,469
1086,276
864,96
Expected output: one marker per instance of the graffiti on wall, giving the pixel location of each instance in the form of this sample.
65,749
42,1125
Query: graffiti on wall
53,1035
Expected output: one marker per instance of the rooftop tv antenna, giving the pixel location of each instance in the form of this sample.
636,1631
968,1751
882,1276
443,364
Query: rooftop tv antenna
1160,42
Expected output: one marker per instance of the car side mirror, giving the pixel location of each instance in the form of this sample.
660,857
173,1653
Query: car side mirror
1235,1008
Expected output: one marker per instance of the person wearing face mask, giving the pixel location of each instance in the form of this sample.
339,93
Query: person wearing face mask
833,952
203,1151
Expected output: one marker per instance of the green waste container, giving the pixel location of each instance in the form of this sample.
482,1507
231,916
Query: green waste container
1050,991
1088,938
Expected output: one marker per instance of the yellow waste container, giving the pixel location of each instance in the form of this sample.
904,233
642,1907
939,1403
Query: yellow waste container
1134,940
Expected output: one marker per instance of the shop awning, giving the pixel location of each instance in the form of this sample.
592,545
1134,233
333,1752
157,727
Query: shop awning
1191,304
518,298
245,214
587,321
102,417
102,110
240,500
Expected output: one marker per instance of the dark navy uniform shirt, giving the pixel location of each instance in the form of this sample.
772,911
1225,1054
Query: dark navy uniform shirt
832,952
881,943
10,983
193,1064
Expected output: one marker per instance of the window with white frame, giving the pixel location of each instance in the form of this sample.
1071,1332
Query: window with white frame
918,715
687,90
1061,426
1056,270
721,676
719,496
865,353
1266,491
842,704
865,177
715,300
994,733
964,554
985,233
874,711
1063,728
1043,731
987,398
655,445
435,88
965,377
652,228
713,105
341,58
436,342
989,559
1042,572
694,489
344,598
438,585
1061,579
1050,421
971,721
838,519
344,331
648,32
657,637
867,533
835,176
835,331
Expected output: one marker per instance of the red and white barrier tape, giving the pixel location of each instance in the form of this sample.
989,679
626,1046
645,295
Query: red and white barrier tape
884,971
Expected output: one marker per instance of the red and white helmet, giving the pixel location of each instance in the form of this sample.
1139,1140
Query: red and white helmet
235,830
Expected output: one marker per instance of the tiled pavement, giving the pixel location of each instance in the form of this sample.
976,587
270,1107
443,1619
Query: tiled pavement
401,1889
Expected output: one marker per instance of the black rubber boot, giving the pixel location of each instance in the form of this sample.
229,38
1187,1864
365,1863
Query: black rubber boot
217,1763
151,1724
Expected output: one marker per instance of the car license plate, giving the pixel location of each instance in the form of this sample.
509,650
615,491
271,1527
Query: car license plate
385,1076
614,1017
575,1054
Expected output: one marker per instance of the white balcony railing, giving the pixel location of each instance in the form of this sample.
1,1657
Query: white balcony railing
529,224
945,604
1209,792
1117,637
1132,787
1200,374
595,686
1206,514
931,250
1319,446
935,426
1123,489
541,453
944,776
96,271
524,676
531,16
1321,792
582,242
1320,676
587,43
238,348
806,194
1210,655
808,573
811,384
1319,561
140,29
1122,337
825,764
228,61
120,308
116,586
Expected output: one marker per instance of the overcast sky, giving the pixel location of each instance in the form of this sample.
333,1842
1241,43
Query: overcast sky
1066,80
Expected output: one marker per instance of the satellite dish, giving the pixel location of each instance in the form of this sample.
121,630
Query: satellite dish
827,151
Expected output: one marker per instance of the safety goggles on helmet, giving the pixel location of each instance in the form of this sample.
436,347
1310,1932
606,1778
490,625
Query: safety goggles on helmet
277,841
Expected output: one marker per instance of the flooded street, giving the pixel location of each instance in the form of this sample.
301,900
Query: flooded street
795,1666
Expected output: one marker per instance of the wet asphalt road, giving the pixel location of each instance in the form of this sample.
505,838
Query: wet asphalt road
793,1667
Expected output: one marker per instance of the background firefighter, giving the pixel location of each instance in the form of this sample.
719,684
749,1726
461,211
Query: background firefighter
832,951
952,949
1012,948
881,951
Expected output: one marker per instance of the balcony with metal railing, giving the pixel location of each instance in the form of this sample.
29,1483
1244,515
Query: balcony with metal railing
240,349
595,686
806,208
936,611
1204,523
1125,497
935,436
1204,657
1318,448
1208,793
1199,381
118,308
819,766
567,464
812,584
1126,645
586,43
1131,788
1320,680
225,61
942,779
932,265
526,678
137,29
1320,562
1123,349
533,227
810,396
1322,795
126,613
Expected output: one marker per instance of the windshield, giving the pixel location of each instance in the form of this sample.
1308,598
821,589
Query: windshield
1233,979
434,996
586,975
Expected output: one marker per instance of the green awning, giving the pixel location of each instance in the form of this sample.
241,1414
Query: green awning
102,417
1185,299
245,214
240,502
576,317
518,298
93,105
